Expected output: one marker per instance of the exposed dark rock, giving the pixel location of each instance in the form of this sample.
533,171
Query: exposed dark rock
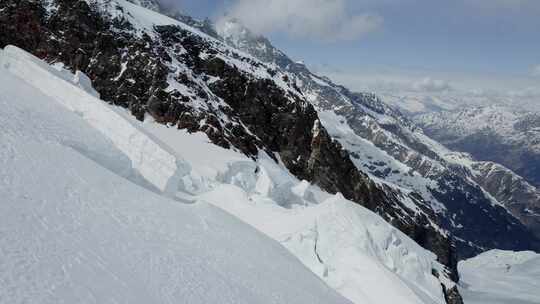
452,295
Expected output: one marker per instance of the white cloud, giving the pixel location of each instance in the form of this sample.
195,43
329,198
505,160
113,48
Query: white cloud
432,85
323,20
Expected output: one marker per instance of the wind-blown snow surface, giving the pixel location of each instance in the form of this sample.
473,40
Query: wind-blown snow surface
73,229
501,277
93,211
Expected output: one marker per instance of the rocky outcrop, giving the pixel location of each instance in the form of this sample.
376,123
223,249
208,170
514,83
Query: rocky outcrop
452,296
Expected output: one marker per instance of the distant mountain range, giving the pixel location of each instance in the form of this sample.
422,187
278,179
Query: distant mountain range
501,134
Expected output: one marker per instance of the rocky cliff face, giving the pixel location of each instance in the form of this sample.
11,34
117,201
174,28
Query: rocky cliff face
189,80
388,146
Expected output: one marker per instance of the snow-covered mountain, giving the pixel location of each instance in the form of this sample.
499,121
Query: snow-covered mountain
100,207
389,146
154,65
508,189
497,135
261,137
84,217
161,71
501,277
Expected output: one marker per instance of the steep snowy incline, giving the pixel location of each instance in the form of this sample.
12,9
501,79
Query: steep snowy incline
74,230
348,246
79,224
162,171
160,68
501,277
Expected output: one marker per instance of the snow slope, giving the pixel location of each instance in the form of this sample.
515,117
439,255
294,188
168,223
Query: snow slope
74,229
501,277
85,218
161,170
348,246
338,240
351,248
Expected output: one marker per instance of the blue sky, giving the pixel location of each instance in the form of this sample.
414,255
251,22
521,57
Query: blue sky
475,42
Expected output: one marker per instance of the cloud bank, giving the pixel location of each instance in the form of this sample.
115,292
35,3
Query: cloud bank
321,20
429,84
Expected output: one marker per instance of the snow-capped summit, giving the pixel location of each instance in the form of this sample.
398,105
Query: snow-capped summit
237,35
